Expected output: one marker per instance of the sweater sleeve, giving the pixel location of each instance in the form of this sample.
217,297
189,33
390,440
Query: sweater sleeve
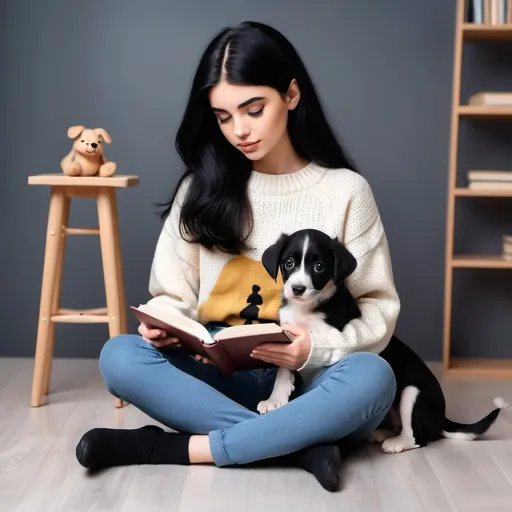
174,277
371,284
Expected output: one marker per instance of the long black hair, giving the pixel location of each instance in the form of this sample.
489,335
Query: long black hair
216,212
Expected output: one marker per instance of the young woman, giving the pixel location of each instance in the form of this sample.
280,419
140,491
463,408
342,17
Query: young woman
260,160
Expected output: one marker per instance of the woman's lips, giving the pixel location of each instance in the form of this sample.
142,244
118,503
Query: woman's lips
248,146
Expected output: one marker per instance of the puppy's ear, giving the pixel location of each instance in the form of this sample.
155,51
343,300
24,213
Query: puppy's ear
103,133
272,256
75,131
344,262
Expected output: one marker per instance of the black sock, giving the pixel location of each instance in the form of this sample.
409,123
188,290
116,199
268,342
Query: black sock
322,461
105,447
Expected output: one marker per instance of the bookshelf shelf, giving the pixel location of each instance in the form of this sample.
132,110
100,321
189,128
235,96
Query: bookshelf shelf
480,261
499,33
464,32
474,192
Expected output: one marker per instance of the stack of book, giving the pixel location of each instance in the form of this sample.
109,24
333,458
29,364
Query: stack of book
501,180
507,247
488,12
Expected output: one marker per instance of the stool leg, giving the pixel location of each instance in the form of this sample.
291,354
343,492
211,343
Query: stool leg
119,266
120,279
107,222
56,299
51,256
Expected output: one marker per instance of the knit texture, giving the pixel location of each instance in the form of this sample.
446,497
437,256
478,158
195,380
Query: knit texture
214,286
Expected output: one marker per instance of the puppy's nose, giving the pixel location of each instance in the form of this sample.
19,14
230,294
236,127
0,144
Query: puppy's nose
298,289
94,145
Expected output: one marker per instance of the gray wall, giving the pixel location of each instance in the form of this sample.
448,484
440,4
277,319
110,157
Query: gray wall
384,74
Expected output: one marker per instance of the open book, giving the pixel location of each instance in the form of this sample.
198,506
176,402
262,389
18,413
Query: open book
229,350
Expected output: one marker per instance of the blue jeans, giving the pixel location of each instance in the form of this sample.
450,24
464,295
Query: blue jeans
349,398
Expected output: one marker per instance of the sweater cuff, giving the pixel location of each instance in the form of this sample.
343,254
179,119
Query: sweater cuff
319,353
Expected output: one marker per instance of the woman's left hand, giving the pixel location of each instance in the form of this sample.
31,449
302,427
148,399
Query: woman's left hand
288,355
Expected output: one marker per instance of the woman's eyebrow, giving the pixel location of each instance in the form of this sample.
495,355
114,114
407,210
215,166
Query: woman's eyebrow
242,105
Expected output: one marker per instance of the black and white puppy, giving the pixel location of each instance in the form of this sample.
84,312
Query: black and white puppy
314,268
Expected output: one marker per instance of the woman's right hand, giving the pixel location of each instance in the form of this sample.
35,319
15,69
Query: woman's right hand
157,337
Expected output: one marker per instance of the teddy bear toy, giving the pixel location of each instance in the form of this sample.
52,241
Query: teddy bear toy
86,157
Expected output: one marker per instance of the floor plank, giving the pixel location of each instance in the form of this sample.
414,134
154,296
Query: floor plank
60,472
105,491
411,474
26,435
470,476
157,488
501,454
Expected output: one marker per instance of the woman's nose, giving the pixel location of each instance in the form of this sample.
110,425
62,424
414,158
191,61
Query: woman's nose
241,129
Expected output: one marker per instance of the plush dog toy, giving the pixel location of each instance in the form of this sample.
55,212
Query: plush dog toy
86,157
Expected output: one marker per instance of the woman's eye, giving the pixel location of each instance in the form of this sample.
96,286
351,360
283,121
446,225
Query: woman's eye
319,267
256,113
289,263
223,120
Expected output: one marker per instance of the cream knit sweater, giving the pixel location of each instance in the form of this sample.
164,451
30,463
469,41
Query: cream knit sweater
214,286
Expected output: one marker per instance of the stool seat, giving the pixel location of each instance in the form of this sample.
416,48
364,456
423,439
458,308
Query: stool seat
61,180
63,188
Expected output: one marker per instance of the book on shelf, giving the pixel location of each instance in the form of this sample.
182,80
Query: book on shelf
229,350
476,175
490,185
507,247
501,180
488,12
491,99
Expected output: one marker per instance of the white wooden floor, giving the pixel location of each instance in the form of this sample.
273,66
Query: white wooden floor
39,472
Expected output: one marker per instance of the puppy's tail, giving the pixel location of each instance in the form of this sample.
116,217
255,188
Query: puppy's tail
468,432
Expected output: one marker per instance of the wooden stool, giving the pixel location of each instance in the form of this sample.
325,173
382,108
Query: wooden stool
63,188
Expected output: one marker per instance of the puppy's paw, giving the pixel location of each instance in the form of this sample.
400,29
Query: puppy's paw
108,169
73,170
274,402
398,444
380,435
